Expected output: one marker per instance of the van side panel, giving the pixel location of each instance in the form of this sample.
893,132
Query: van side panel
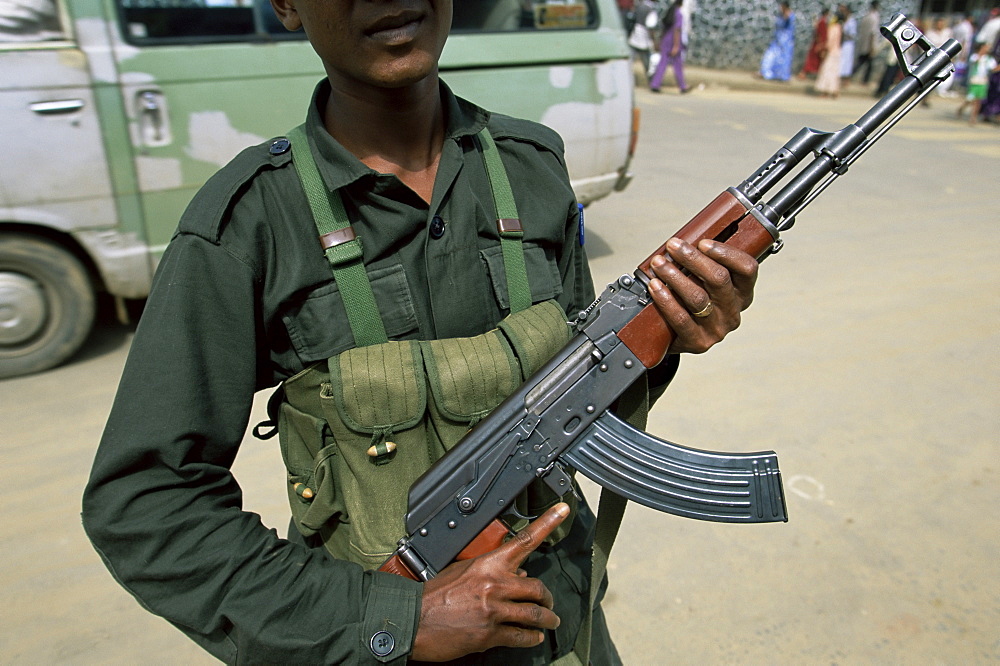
589,105
190,110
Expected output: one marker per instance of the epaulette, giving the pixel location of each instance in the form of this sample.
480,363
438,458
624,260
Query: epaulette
209,208
518,129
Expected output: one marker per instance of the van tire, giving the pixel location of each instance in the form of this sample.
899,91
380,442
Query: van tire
47,304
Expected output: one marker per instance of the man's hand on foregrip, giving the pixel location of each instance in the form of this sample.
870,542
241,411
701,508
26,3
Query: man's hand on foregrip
702,292
474,605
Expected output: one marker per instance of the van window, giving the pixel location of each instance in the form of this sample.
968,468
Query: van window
516,15
29,21
148,22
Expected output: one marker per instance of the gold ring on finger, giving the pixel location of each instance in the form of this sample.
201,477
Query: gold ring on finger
706,311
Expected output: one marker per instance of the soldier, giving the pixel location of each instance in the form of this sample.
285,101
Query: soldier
359,338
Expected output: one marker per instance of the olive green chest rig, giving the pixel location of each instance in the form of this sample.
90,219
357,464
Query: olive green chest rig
358,429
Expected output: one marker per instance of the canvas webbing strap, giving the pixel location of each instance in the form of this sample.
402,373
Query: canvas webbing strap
633,406
610,511
508,225
342,247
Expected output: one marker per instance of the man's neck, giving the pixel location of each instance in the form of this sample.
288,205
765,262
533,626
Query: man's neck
398,131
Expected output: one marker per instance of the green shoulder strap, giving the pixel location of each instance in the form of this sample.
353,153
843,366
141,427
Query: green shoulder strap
342,246
633,406
508,225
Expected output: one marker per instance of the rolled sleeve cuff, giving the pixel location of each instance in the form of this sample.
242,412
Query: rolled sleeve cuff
392,612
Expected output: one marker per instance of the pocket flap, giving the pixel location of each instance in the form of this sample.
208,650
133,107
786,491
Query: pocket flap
307,320
543,273
470,376
536,334
379,387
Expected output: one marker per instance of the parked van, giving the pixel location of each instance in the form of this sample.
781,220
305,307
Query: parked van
116,111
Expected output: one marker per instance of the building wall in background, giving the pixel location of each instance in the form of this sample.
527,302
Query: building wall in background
727,34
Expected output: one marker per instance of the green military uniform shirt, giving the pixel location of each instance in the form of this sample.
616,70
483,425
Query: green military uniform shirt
245,298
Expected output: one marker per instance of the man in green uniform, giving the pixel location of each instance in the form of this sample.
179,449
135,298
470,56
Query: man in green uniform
245,299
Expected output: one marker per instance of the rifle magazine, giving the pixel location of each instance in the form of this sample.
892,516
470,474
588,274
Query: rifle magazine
705,485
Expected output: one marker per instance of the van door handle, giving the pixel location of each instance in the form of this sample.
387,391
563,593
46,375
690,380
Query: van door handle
59,106
152,117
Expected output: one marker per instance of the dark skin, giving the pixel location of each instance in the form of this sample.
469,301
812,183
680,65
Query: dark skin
385,107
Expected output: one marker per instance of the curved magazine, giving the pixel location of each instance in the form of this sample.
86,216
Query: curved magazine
721,487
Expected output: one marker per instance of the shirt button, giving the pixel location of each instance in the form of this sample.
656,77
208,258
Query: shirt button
382,643
437,227
280,147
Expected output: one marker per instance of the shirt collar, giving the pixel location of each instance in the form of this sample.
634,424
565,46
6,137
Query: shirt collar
339,167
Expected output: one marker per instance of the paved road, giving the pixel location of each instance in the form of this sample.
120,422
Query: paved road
868,361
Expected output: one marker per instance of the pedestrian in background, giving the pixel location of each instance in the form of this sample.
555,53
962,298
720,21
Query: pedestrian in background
672,49
847,43
990,107
989,33
963,31
828,79
867,43
940,33
642,39
981,65
817,49
776,65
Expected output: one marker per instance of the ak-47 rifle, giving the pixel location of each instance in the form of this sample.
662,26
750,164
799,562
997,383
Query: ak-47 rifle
560,416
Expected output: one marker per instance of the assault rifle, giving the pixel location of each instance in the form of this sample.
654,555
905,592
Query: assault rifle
560,417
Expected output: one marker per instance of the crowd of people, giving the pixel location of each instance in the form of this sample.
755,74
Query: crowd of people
846,47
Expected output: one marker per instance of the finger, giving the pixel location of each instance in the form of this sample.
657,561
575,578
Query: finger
689,291
531,616
528,590
677,314
743,268
517,637
515,551
713,275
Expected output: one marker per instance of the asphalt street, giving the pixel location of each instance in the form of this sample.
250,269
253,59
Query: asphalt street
868,362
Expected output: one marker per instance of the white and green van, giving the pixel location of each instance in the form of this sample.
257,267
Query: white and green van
116,111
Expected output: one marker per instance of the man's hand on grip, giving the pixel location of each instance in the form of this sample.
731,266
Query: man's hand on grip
713,280
489,601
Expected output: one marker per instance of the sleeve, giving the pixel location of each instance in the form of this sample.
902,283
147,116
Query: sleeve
165,513
578,284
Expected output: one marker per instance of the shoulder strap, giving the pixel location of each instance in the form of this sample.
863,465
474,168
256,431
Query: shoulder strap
342,246
508,224
633,406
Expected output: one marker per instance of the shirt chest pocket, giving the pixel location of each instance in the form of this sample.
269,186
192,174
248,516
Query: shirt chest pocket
318,327
543,274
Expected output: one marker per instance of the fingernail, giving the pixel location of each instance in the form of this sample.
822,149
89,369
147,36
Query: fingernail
675,243
562,509
656,285
657,261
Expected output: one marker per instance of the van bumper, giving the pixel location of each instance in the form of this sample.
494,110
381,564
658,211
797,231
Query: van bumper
592,188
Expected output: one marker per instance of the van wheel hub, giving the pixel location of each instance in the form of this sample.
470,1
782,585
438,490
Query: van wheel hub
22,308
